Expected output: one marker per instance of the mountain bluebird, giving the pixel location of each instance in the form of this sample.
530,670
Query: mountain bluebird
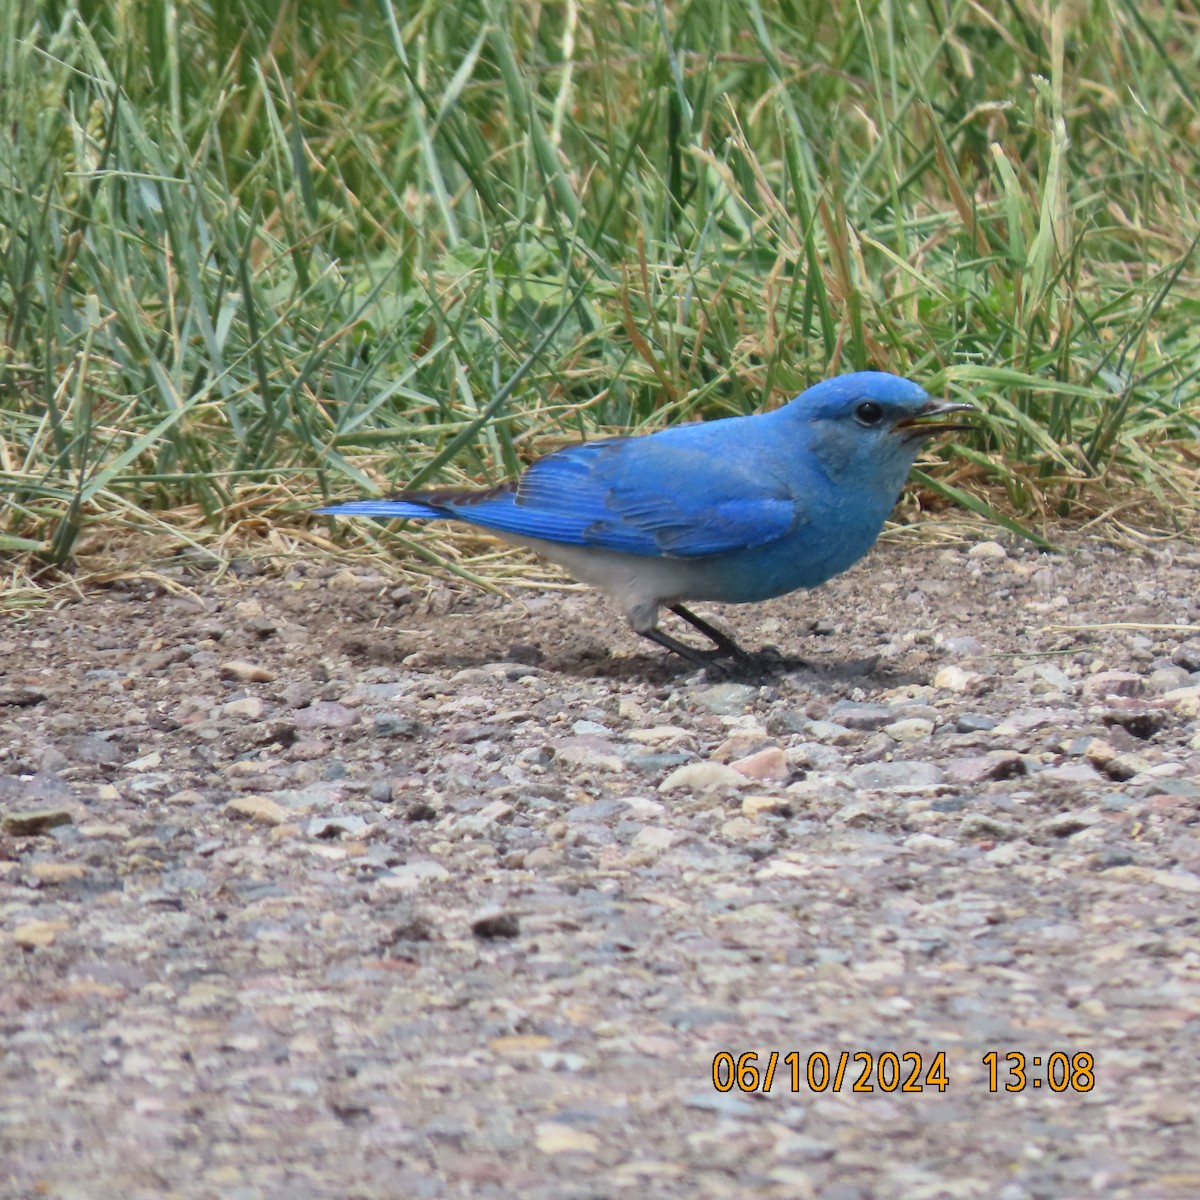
734,510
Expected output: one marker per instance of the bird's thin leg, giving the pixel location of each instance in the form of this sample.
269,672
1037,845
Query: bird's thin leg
725,645
701,658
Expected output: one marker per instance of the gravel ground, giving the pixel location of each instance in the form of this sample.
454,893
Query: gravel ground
318,887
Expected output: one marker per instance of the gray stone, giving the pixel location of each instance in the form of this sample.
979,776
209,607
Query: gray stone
815,756
1186,788
584,728
798,1148
1068,773
315,795
1167,679
785,722
477,731
325,714
726,1103
965,645
1056,677
975,723
1187,655
388,724
724,699
298,693
489,815
885,776
1106,684
597,810
999,764
93,750
979,825
866,717
413,875
588,752
380,693
44,788
831,732
1138,719
336,826
909,729
251,708
652,763
1126,766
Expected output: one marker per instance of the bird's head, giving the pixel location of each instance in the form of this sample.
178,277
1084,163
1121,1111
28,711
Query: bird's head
868,427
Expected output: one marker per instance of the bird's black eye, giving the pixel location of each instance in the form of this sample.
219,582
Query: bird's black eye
868,413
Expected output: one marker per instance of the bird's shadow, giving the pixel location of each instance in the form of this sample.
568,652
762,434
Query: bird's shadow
762,668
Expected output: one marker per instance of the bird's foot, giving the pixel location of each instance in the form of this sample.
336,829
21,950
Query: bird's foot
723,645
709,659
726,658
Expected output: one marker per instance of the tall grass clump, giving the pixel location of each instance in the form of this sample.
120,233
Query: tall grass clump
255,255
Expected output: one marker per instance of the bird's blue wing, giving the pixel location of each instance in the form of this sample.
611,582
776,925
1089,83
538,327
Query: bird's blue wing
642,496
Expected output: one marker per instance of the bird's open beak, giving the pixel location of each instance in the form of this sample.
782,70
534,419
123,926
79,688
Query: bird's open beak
922,424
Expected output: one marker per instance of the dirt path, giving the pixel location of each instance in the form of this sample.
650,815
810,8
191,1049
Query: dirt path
359,893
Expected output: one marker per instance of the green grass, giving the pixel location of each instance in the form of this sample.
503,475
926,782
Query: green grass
255,256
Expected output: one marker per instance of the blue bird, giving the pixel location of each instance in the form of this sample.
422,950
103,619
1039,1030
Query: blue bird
736,510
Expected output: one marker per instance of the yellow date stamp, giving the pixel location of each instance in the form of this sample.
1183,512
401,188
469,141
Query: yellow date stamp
818,1071
908,1071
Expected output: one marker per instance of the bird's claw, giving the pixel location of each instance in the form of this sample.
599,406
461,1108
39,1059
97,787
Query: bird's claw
726,659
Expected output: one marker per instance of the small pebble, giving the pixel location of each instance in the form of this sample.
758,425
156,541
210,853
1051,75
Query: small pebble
961,646
28,824
741,829
251,708
885,776
495,923
413,875
553,1138
703,777
33,935
955,679
867,717
756,806
831,733
1106,684
325,714
724,699
975,723
246,672
332,827
261,809
911,729
58,872
768,764
980,827
386,724
1187,655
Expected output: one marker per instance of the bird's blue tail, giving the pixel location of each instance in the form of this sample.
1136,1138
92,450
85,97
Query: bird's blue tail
384,508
